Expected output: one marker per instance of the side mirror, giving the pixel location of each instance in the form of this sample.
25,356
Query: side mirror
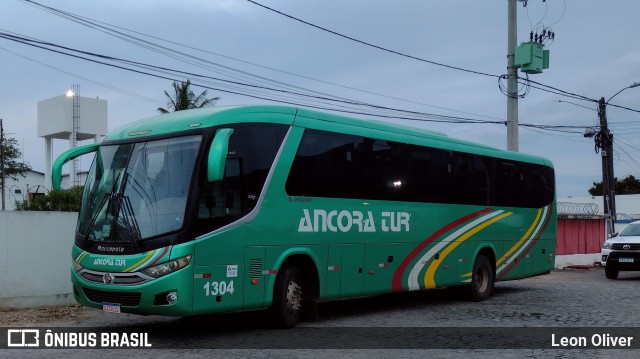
614,235
66,156
217,159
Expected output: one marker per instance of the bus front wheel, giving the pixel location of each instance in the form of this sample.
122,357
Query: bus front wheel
482,279
287,297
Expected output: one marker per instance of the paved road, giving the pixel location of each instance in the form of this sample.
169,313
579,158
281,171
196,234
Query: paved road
563,299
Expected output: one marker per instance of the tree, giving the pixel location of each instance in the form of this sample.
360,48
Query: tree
64,200
13,166
185,99
628,185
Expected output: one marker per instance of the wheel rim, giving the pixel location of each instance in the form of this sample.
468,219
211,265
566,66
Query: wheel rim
482,279
294,297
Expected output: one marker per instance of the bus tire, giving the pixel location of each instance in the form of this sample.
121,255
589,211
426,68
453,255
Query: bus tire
610,272
482,279
288,291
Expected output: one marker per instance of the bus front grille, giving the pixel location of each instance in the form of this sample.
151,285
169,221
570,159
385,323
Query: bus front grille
116,278
124,298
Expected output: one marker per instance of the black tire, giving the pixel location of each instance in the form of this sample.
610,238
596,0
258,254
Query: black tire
610,272
482,280
287,306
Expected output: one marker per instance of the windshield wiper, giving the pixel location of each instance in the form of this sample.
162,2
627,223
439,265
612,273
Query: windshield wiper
106,199
96,214
131,228
125,216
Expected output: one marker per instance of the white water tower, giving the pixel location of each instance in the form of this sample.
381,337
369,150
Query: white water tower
73,118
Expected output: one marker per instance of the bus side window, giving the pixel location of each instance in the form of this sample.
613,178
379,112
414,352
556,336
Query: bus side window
374,171
252,150
470,179
323,166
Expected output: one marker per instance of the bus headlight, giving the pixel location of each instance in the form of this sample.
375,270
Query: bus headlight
166,268
76,267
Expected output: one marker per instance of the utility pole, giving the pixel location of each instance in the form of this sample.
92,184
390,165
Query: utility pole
2,160
604,142
512,79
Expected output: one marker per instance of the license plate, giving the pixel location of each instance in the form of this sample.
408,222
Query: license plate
111,307
626,260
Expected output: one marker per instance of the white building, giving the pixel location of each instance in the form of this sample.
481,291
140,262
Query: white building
72,118
33,184
67,117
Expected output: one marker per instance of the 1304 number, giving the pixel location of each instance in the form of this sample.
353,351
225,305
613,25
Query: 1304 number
218,288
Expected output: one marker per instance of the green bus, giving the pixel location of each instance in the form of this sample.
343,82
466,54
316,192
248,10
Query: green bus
236,208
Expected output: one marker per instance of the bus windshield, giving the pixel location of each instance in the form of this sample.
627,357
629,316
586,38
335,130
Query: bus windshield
138,190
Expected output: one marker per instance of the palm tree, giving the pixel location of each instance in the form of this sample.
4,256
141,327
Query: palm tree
185,99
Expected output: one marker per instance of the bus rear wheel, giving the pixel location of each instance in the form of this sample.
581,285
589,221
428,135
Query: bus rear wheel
288,293
482,279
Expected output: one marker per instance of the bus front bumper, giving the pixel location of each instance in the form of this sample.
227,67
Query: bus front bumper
170,295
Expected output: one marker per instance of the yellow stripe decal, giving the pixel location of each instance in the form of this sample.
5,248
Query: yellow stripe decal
518,251
429,281
81,256
524,238
157,253
149,254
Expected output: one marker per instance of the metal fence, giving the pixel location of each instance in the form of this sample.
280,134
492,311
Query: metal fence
592,209
578,208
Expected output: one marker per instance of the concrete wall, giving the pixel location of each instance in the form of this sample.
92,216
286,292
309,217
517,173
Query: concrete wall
35,258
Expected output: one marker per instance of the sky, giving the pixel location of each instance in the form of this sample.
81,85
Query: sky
242,51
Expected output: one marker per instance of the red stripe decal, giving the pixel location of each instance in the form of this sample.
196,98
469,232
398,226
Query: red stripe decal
524,254
397,276
166,249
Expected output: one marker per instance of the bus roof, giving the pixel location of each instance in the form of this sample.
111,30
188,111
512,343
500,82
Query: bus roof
180,121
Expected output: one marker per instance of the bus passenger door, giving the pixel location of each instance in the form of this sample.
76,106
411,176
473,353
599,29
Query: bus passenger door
334,272
352,270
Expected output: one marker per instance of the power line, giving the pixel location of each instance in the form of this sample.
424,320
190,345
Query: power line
623,107
629,145
527,82
635,163
370,44
64,50
125,92
169,74
100,26
542,132
386,111
109,29
558,91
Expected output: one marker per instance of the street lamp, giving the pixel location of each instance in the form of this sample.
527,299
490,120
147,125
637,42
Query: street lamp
604,142
635,84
